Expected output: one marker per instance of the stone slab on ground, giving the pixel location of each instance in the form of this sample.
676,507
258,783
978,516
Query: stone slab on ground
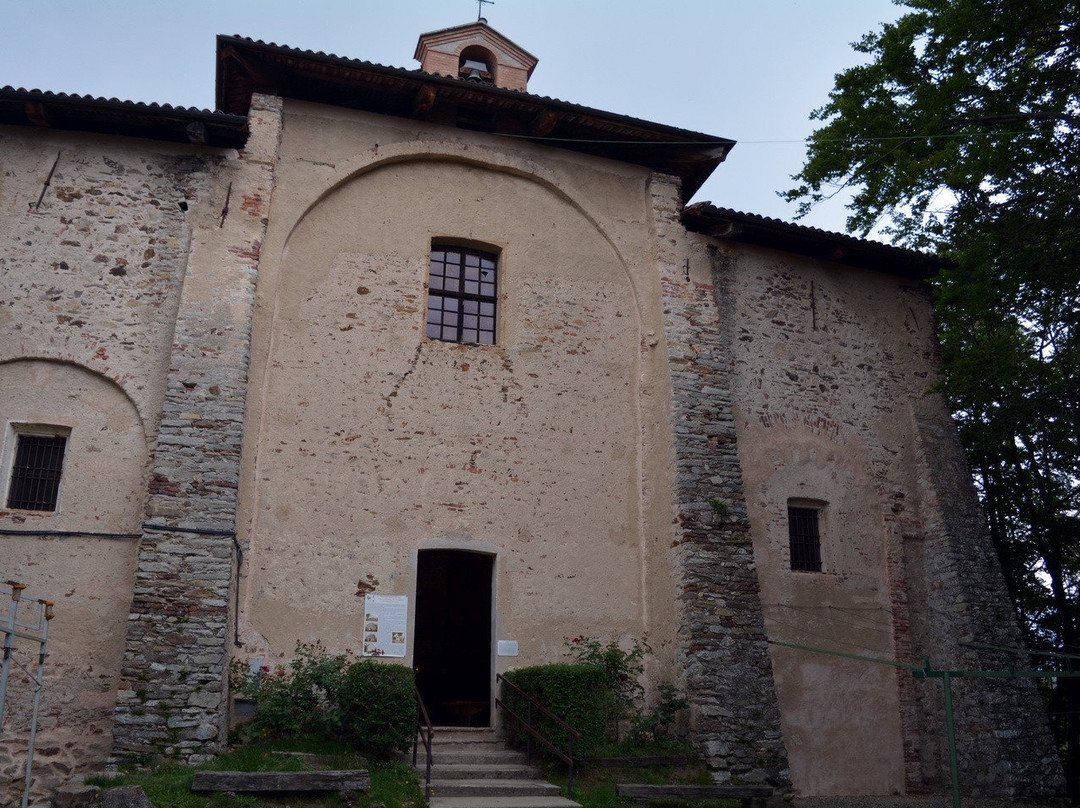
281,782
750,796
921,801
125,797
76,795
503,802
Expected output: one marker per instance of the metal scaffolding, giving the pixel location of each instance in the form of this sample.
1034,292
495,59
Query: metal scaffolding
25,620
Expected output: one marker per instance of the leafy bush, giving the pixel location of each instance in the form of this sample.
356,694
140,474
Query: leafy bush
568,691
301,698
622,675
320,695
378,707
653,726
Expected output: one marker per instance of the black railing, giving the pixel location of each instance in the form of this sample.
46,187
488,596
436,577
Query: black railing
424,732
566,757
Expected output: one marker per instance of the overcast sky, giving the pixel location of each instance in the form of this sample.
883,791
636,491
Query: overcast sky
750,70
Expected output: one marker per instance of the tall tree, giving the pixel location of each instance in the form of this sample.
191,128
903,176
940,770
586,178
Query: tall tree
961,134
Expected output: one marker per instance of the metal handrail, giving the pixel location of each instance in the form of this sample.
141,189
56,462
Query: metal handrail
424,731
526,723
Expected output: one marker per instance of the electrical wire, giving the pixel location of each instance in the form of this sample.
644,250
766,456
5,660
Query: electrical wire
97,534
731,142
879,628
830,638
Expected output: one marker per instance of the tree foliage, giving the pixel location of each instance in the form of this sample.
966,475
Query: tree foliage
961,134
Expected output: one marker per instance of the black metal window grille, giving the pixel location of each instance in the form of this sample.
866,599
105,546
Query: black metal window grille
35,474
462,295
805,537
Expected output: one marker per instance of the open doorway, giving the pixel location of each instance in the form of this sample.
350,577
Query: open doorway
452,636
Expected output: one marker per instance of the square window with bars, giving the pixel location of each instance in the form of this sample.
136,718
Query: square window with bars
462,295
804,535
35,472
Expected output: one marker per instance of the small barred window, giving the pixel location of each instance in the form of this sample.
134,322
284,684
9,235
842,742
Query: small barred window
804,535
35,471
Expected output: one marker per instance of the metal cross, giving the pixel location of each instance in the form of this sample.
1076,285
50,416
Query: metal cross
480,8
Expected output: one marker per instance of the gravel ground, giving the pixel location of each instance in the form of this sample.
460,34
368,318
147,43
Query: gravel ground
935,801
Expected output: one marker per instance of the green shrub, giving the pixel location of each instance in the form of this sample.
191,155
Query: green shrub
622,675
324,696
378,707
653,727
567,690
301,698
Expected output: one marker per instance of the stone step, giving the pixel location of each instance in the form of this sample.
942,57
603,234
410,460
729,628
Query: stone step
470,757
480,746
480,771
493,788
502,802
466,734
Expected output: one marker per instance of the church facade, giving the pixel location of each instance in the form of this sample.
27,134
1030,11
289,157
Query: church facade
416,363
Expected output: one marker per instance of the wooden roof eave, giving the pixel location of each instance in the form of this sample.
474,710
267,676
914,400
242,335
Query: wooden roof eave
245,66
812,242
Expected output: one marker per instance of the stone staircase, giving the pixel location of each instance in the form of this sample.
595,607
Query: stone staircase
474,768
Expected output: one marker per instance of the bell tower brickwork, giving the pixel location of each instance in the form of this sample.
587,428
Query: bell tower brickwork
440,52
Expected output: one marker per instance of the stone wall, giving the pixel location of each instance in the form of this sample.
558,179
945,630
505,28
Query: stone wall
171,697
94,239
727,671
834,372
92,274
1004,745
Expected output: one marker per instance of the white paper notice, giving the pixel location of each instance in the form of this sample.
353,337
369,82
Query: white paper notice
386,618
508,648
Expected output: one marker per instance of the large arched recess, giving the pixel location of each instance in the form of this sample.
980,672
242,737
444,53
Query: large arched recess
394,439
82,556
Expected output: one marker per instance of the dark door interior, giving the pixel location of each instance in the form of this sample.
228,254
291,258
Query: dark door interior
452,646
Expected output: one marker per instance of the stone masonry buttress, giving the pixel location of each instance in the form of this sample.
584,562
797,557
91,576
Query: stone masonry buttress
171,698
725,659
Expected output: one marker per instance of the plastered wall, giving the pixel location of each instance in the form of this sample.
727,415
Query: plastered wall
826,363
89,577
370,442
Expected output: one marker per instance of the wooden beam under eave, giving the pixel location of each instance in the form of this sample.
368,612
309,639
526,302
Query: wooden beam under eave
542,124
37,114
425,100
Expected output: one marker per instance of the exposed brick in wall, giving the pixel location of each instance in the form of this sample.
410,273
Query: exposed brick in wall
897,535
171,697
727,671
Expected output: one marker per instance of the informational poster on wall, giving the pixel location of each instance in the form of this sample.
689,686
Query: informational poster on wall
386,619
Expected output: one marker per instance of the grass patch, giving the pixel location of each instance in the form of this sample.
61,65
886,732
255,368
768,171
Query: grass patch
627,749
393,784
594,785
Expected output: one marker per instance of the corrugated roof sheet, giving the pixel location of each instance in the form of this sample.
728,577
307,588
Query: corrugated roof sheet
22,107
